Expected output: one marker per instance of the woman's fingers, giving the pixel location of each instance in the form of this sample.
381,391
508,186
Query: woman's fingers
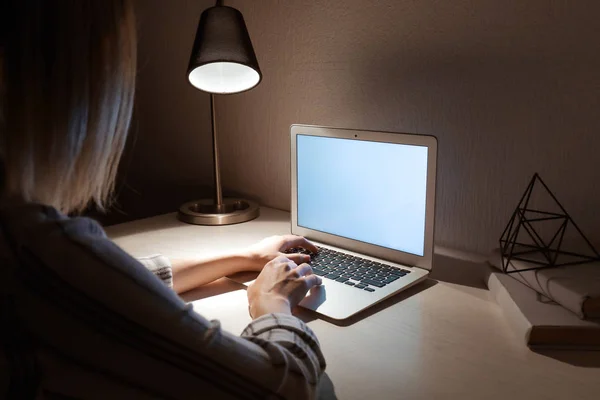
302,270
298,258
312,280
292,241
286,263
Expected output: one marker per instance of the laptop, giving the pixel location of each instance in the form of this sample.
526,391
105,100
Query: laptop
367,200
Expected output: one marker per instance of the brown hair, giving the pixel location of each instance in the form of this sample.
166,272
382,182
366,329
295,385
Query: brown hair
69,74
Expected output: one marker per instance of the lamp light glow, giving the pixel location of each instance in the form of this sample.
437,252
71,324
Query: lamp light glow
223,77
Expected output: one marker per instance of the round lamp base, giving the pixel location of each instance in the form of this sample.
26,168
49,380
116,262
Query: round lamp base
205,212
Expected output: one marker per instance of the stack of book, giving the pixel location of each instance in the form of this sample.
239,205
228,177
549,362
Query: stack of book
550,307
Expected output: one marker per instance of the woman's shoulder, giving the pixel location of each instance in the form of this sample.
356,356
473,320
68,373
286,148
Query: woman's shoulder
74,250
41,235
25,223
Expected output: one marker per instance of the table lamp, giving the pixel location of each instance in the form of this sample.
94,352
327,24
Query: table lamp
222,62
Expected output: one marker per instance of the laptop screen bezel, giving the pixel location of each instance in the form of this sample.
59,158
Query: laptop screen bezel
384,253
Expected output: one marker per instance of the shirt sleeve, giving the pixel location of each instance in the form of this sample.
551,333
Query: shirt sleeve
160,266
98,310
277,332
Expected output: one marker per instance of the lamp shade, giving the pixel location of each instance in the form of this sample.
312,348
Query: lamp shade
223,60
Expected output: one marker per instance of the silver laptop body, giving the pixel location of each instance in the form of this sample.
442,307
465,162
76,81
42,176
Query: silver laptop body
365,194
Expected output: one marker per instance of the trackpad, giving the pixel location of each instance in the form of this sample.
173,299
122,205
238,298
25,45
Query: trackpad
315,297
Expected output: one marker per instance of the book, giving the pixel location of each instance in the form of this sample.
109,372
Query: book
541,322
575,287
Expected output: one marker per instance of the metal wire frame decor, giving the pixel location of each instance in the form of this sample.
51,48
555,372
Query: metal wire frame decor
547,252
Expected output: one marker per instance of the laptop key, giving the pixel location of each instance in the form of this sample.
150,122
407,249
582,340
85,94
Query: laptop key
372,282
350,283
319,272
332,276
368,289
341,279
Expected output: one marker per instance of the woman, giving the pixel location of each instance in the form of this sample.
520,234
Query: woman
80,317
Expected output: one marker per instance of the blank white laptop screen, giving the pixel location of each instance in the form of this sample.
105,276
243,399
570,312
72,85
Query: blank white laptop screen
367,191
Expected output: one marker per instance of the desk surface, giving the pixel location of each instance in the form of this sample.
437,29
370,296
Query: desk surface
439,340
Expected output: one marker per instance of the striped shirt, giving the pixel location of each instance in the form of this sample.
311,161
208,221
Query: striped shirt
81,318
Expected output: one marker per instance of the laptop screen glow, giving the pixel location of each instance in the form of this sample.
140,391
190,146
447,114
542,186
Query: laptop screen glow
367,191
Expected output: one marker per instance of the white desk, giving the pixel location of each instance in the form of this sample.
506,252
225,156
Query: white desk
440,341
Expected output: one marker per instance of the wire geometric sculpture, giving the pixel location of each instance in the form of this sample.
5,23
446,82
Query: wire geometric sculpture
543,253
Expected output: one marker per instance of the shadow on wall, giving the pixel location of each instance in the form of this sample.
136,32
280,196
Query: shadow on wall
147,200
168,156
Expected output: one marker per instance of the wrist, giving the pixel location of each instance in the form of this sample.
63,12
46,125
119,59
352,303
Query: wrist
268,304
253,260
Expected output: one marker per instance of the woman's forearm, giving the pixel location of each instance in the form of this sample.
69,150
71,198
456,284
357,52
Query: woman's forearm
189,274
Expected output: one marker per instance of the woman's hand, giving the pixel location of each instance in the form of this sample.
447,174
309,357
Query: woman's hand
281,285
275,246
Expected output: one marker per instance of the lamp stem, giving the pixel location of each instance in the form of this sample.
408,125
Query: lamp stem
218,192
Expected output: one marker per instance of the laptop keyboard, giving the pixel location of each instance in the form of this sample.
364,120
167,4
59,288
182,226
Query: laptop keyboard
354,271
